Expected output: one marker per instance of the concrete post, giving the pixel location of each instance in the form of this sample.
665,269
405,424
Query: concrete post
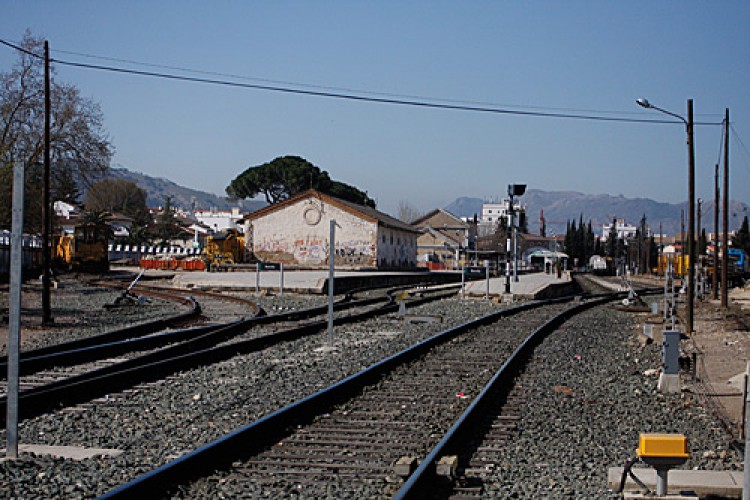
487,278
14,332
331,267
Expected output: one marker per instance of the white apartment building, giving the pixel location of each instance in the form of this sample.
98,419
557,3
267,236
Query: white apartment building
221,220
624,231
493,212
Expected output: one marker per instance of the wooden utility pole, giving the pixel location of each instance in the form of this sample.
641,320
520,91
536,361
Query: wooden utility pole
46,215
714,277
725,229
691,219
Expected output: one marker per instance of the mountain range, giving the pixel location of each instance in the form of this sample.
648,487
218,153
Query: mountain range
559,206
158,188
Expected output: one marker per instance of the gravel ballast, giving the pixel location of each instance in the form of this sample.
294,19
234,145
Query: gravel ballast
564,446
568,439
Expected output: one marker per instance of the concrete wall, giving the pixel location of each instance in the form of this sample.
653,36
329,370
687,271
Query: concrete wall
396,249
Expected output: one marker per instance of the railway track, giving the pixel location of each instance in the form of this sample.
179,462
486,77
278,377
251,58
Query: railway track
59,378
215,307
366,433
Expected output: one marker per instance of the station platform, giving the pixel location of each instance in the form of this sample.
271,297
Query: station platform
529,286
308,282
703,483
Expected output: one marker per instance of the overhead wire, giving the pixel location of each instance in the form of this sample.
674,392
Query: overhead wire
352,97
332,88
743,148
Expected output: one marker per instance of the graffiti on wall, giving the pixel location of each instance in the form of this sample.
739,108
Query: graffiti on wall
314,252
355,253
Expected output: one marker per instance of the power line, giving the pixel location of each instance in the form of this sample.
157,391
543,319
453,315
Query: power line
354,97
742,148
341,89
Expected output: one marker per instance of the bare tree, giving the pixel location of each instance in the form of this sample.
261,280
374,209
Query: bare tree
407,212
78,142
119,196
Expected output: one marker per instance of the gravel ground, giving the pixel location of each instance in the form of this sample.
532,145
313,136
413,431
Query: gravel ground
164,420
568,439
78,311
564,446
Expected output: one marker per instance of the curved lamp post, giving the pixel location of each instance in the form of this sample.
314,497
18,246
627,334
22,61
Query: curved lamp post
691,201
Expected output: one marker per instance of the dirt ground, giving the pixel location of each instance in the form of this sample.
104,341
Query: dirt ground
722,345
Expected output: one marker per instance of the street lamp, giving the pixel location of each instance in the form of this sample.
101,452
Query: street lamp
513,190
691,201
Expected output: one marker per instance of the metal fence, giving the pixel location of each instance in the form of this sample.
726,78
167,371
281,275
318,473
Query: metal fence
31,260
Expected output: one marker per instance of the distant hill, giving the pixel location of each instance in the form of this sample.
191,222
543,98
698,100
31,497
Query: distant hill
562,206
158,189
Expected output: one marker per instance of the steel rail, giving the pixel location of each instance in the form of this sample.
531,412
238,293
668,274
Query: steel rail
196,352
139,337
270,429
424,479
70,353
109,337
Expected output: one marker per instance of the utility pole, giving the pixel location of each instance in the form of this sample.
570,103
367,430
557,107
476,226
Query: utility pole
714,277
46,215
682,244
691,218
725,229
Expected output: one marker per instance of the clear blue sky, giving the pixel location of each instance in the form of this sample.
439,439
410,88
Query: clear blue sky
538,56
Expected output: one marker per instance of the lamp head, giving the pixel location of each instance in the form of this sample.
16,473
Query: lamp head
516,189
643,103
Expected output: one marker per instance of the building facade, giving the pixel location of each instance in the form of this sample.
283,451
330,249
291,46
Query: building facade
444,240
220,220
624,231
296,232
494,213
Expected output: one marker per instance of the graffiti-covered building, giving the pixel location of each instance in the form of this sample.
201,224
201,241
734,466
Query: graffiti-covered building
296,232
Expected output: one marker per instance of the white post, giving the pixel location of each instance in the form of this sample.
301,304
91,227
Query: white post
463,282
487,278
331,267
515,250
281,280
14,332
257,278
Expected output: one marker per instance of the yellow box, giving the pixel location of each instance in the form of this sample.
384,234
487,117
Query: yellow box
662,445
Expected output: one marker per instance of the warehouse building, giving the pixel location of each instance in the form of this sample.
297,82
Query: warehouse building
296,232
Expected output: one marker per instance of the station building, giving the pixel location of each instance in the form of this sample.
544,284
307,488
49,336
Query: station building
296,232
444,241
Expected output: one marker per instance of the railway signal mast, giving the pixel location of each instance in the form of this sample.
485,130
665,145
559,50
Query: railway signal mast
513,190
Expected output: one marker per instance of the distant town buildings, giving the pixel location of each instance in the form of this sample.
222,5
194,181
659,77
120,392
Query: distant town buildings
493,213
444,240
220,220
624,231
